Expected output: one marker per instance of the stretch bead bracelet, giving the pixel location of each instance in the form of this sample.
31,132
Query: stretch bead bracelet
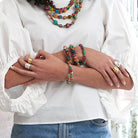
74,55
70,75
84,55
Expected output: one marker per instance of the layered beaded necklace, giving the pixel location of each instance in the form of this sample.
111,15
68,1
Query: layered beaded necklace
54,12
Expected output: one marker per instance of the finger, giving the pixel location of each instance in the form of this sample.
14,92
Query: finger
22,63
24,72
113,77
32,82
107,78
42,53
26,57
33,61
123,70
119,73
121,77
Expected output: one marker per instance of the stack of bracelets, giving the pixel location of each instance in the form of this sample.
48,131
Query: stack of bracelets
75,59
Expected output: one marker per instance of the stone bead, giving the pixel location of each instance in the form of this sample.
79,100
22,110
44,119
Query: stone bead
56,11
69,16
55,15
60,16
67,25
55,22
83,52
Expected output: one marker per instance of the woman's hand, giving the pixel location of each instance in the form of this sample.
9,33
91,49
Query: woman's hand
105,64
48,68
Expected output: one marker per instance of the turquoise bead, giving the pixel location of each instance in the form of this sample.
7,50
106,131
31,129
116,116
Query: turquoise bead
55,22
77,6
56,11
60,17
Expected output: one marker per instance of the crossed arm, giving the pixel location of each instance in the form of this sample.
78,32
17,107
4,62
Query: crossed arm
53,67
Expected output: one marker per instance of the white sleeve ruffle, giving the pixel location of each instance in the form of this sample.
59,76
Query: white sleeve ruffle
120,44
14,43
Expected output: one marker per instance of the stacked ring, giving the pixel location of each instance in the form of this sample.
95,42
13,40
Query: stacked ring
30,60
117,63
27,65
115,69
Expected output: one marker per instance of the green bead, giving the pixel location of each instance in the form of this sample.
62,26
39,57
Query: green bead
60,16
83,52
75,17
55,22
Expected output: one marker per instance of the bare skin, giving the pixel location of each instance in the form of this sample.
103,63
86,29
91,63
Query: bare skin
47,69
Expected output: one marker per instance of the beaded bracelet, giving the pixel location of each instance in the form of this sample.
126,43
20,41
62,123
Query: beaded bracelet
70,75
74,55
84,55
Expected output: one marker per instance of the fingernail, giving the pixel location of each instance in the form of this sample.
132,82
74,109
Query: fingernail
118,85
127,75
124,83
12,67
111,84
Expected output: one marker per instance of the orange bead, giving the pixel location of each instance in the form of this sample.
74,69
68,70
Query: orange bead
55,15
64,17
80,6
65,10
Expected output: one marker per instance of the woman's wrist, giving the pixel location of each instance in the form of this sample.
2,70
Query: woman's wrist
64,72
79,53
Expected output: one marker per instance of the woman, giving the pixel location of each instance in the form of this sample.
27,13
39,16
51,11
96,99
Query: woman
33,47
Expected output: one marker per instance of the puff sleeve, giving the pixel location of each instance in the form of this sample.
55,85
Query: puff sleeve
14,43
121,44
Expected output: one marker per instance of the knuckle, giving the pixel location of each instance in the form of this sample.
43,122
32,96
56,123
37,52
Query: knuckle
19,59
40,51
101,70
109,61
106,77
113,76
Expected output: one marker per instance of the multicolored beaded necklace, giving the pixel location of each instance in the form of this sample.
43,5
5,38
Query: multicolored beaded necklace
54,12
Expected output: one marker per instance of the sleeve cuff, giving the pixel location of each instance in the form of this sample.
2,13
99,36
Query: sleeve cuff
29,102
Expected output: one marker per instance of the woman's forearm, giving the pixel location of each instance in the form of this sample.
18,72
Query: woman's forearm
92,78
13,78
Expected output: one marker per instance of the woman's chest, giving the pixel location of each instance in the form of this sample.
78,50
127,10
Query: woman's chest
87,30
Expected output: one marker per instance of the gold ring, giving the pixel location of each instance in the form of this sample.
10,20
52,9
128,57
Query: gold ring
115,69
30,60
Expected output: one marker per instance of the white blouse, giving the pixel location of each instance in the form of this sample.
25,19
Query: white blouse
101,25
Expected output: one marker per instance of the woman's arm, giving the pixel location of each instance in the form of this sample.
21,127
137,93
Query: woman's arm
13,79
92,78
52,68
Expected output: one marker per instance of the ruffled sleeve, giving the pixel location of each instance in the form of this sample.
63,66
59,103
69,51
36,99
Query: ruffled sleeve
121,44
14,43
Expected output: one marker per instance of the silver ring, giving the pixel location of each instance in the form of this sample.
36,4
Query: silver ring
117,63
27,65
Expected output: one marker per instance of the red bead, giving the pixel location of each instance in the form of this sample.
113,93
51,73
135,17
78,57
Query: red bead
73,14
67,25
60,11
47,7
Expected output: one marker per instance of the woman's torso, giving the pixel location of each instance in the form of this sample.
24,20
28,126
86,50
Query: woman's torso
66,103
